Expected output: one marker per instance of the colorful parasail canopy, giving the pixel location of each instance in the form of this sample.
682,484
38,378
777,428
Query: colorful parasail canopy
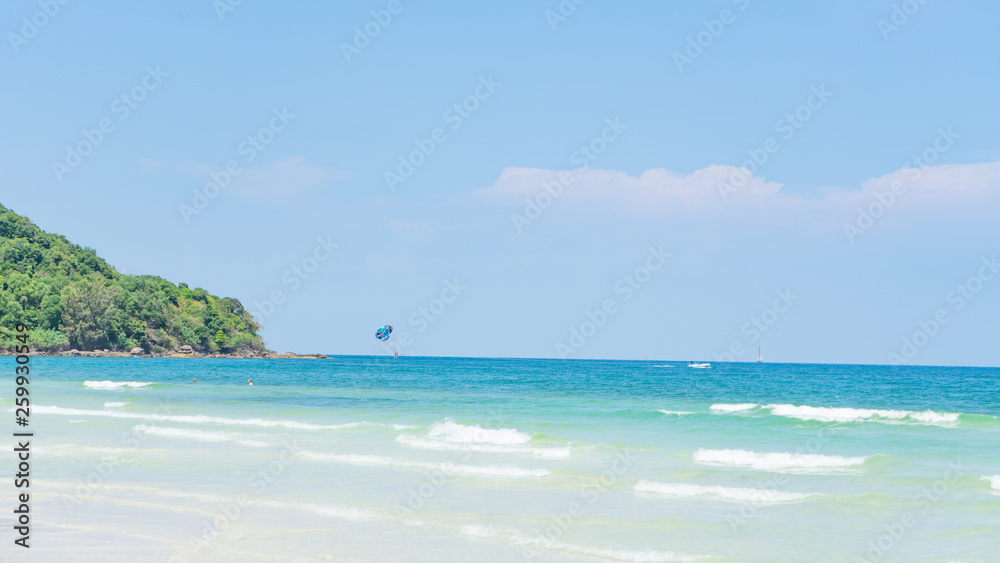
383,333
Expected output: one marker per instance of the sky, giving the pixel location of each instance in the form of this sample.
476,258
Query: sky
576,179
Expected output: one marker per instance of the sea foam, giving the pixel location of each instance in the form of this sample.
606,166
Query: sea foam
547,543
993,480
846,414
325,510
199,435
116,384
725,407
195,419
450,431
738,494
114,404
431,444
678,413
495,471
779,461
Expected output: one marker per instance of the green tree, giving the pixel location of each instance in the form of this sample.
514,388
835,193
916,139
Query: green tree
59,288
52,311
90,316
48,340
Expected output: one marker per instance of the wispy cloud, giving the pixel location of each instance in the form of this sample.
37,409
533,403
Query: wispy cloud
409,227
663,192
288,178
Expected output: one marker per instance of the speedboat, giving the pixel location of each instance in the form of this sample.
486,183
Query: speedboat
699,365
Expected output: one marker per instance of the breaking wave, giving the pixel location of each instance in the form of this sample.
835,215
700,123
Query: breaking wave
993,480
543,542
780,462
195,419
846,414
450,431
116,384
199,435
738,407
495,471
739,494
431,444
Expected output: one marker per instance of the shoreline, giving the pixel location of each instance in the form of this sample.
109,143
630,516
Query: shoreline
186,355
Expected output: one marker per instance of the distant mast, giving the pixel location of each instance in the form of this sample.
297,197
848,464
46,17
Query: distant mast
760,359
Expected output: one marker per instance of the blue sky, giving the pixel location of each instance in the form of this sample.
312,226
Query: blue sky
847,101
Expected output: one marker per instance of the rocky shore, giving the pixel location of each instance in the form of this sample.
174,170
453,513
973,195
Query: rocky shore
183,352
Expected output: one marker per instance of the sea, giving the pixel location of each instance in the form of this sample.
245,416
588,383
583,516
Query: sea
370,458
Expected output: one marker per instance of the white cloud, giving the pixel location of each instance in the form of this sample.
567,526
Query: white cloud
288,178
947,184
658,191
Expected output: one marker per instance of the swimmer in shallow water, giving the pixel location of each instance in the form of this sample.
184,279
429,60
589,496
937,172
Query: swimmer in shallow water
250,381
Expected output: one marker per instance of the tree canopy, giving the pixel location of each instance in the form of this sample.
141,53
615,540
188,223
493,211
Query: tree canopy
71,298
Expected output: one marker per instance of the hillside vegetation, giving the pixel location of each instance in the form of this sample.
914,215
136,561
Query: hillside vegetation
70,298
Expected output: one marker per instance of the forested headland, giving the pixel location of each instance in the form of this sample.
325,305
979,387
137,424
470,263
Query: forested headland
70,298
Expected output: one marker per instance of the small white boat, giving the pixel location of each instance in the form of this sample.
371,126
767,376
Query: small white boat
760,359
699,365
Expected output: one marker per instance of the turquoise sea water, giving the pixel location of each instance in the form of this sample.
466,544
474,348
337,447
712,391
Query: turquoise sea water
449,459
